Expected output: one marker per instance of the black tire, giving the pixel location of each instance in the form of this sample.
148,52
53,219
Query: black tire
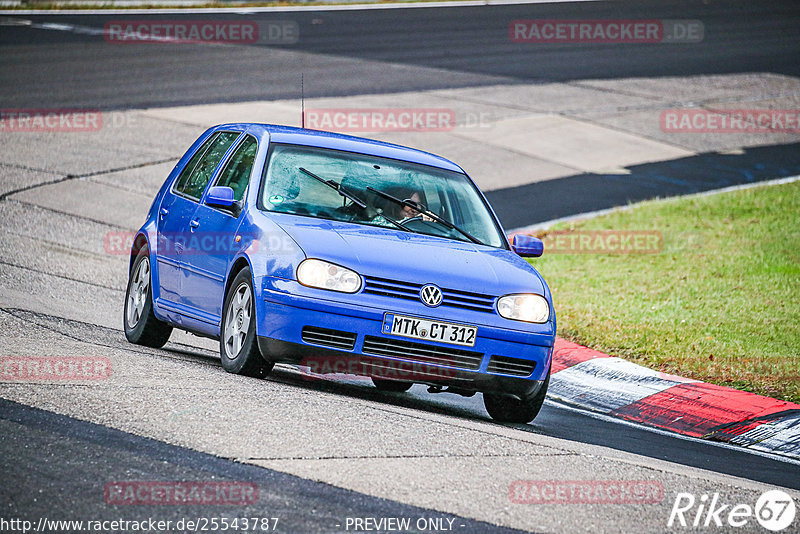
239,353
396,386
140,323
509,410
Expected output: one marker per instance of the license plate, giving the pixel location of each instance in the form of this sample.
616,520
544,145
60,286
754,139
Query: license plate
428,330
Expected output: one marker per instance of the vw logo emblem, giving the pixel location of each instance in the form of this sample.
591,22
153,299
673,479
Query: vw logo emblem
430,295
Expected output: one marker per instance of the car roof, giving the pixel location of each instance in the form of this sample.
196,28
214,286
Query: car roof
302,136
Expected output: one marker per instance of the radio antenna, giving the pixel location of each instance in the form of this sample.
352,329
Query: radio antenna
302,103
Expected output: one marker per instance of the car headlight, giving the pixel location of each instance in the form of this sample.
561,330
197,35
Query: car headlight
325,275
528,308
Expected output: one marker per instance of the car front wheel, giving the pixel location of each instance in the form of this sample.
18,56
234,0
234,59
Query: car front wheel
237,343
509,410
141,325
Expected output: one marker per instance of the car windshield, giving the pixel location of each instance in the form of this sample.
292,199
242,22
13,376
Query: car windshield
364,189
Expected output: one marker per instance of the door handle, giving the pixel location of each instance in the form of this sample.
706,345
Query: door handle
163,212
194,224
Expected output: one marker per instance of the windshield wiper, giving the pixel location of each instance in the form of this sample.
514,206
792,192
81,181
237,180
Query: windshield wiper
423,209
337,187
357,201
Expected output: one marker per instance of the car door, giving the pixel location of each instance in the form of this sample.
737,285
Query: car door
175,213
173,216
214,231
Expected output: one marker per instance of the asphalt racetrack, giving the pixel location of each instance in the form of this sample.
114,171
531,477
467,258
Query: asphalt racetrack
323,451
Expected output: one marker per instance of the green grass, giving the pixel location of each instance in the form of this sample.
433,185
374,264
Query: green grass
720,302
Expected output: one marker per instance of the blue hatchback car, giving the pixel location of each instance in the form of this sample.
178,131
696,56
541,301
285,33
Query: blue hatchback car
346,255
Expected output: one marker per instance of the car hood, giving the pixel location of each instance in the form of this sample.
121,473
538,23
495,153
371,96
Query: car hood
405,256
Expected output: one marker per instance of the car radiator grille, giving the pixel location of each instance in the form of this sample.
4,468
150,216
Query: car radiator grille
409,291
420,352
510,366
329,338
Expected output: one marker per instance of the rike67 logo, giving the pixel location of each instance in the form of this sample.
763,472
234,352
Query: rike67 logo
774,510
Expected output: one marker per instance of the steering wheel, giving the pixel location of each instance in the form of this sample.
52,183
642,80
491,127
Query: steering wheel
418,224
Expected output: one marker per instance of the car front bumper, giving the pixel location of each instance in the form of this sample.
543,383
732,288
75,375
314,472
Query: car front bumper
338,333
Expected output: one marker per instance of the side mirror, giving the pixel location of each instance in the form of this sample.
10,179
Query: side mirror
527,246
220,197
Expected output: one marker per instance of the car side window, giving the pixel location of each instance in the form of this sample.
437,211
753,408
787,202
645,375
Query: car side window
180,183
195,176
236,173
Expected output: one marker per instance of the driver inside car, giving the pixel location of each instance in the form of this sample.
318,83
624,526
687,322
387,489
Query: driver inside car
404,213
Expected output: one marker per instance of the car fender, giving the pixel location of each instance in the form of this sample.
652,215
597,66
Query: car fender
269,252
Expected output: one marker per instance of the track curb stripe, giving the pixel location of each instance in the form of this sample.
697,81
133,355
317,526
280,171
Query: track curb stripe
596,381
566,354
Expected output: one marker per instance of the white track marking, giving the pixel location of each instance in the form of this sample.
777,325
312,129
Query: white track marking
289,9
607,384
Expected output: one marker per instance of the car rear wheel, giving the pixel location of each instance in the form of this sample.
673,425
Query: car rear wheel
237,343
141,325
509,410
391,385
